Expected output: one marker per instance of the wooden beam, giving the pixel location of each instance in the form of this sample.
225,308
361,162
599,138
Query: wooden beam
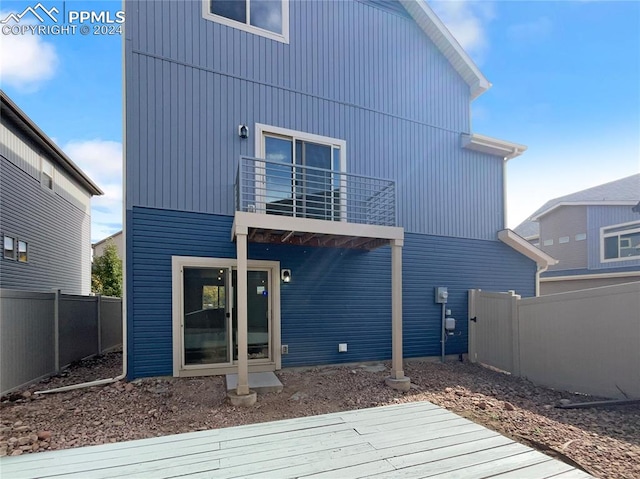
286,236
306,238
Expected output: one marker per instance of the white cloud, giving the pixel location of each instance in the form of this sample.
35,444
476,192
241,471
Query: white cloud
534,30
102,161
26,61
467,22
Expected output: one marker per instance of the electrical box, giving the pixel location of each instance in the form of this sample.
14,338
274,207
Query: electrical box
449,324
441,294
342,347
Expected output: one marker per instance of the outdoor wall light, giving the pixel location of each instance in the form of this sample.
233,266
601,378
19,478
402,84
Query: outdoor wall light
285,275
243,131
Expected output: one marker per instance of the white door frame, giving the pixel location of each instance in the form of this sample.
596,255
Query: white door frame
178,263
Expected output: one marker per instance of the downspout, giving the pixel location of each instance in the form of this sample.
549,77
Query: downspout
539,271
100,382
504,192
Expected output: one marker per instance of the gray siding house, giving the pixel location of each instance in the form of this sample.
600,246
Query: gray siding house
594,234
300,178
45,210
117,239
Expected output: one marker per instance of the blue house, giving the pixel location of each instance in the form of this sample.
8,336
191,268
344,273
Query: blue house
300,177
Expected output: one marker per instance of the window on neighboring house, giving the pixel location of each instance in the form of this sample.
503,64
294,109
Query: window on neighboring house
9,248
47,174
563,239
23,254
581,236
548,242
269,18
620,242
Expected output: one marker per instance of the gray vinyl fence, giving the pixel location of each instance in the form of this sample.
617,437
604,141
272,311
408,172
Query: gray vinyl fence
41,333
584,341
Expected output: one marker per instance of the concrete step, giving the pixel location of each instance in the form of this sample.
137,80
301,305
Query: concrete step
260,382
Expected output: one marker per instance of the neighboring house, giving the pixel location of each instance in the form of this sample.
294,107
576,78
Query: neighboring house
116,239
45,210
331,141
593,233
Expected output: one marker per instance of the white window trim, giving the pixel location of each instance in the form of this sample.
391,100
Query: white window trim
283,38
263,129
44,161
14,248
177,264
17,250
604,235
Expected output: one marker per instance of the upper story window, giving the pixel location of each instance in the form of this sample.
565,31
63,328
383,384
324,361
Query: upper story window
303,176
548,242
581,236
268,18
47,174
9,248
620,242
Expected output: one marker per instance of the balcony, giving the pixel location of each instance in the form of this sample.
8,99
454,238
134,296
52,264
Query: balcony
296,204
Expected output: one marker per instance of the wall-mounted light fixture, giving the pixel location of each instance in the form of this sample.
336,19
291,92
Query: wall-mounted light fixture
243,131
285,275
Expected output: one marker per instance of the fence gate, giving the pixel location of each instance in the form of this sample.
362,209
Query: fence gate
493,330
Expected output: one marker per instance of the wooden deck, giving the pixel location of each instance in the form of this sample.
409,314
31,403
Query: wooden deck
400,441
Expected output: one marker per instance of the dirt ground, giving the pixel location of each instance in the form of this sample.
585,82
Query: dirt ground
604,442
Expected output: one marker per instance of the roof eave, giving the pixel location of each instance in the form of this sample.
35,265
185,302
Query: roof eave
492,146
522,246
582,203
433,27
45,142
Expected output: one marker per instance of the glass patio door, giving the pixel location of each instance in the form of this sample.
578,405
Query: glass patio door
301,178
258,315
206,316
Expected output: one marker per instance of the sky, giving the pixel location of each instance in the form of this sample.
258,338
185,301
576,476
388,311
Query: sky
565,76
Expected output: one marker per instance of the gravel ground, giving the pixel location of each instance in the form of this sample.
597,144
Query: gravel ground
604,442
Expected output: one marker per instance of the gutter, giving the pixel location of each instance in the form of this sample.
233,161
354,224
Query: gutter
522,246
123,375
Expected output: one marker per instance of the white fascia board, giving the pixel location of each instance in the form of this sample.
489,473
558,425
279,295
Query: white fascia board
245,220
583,203
522,246
573,277
491,146
429,22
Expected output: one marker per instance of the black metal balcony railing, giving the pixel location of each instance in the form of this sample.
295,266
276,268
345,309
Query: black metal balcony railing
270,187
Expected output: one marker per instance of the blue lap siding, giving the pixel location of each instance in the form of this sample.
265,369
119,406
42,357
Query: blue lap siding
336,295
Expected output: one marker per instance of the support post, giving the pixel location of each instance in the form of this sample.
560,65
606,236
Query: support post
243,396
243,363
397,379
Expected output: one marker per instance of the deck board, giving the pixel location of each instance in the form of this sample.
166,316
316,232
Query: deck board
398,441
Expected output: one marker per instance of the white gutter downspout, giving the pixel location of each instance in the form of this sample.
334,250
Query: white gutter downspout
513,154
541,269
124,239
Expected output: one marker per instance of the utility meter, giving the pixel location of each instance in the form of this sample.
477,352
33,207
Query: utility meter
449,325
441,294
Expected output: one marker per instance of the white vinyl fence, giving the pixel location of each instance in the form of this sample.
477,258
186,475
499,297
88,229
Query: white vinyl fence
40,333
584,341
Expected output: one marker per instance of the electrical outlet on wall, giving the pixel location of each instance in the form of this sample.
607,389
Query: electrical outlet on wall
284,349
